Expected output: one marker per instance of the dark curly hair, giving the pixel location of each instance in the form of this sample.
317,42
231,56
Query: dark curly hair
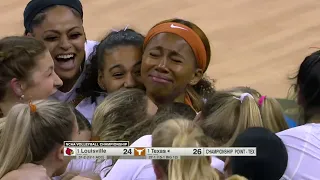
90,87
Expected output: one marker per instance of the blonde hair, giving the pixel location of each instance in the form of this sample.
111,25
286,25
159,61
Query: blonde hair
119,111
236,177
28,137
270,109
230,116
183,133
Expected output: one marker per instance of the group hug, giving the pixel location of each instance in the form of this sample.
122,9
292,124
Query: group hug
149,89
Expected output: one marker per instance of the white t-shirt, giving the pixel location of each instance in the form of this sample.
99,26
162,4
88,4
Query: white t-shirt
142,169
303,146
71,95
87,166
87,108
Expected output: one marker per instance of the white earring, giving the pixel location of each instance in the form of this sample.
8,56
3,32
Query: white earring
22,97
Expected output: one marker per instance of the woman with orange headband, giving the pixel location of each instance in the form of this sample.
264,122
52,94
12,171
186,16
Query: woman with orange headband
176,56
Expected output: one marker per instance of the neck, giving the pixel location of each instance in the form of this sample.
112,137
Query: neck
158,101
315,119
312,115
6,106
49,168
69,83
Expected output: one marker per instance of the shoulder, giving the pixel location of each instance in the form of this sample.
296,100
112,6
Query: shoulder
89,47
217,163
144,141
299,130
125,169
91,44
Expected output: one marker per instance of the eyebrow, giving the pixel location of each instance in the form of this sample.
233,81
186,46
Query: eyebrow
58,32
115,66
121,66
160,47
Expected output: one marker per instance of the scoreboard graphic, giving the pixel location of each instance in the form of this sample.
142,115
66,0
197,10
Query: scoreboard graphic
108,149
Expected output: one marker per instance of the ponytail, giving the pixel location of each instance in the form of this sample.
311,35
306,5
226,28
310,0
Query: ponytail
270,109
200,92
14,139
272,114
229,115
32,131
249,116
190,168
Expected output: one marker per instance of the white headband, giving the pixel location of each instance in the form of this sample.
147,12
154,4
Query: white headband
243,95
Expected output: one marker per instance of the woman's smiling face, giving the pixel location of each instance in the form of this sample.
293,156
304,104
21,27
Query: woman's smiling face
63,34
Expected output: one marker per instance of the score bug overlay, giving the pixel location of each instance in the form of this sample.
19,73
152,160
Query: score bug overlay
108,149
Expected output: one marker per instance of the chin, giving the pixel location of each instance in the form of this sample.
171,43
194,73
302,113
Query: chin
68,75
162,92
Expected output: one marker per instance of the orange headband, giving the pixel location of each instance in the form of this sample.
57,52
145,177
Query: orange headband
187,34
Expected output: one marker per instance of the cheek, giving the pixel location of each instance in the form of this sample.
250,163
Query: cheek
47,85
185,73
146,65
114,85
111,84
79,44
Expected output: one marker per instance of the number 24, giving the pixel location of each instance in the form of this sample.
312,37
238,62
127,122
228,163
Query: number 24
127,151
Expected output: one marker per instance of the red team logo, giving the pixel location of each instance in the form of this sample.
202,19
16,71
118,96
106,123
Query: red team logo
69,151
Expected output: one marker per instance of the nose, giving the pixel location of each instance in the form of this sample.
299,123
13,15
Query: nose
162,66
57,82
65,43
130,81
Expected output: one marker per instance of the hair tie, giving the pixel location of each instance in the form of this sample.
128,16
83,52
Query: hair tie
114,30
261,100
243,95
33,108
126,27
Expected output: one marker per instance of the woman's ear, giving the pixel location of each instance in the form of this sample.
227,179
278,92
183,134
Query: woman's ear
16,87
60,153
100,80
29,34
197,77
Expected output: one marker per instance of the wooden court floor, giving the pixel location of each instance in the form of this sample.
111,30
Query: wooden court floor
257,43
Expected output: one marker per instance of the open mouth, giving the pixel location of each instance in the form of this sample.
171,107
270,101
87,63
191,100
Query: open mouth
65,61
